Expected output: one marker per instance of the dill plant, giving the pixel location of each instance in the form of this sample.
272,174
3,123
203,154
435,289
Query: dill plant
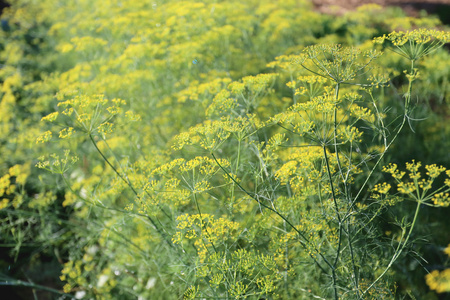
334,229
270,193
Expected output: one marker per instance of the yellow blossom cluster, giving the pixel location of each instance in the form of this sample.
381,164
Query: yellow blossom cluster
205,231
337,63
12,186
219,175
417,43
418,188
440,281
213,133
240,273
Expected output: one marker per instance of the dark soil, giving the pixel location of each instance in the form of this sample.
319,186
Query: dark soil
411,7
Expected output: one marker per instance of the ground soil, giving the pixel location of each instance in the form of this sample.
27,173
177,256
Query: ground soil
411,7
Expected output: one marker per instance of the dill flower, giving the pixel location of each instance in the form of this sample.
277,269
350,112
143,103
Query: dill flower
439,281
340,64
415,44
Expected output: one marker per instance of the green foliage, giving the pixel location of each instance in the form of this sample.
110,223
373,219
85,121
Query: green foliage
221,149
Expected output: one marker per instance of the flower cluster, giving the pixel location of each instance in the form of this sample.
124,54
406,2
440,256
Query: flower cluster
217,177
418,188
440,281
415,44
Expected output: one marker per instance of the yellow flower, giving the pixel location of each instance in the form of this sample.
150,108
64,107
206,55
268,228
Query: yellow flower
45,137
416,43
382,188
439,281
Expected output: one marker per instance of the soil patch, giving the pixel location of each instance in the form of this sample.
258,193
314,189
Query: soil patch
412,8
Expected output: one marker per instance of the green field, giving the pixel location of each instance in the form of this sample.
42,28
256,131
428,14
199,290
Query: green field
223,150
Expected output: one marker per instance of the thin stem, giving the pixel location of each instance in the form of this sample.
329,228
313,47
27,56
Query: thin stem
163,235
399,249
352,255
419,201
280,215
405,117
95,204
336,207
109,163
201,226
336,151
236,167
14,282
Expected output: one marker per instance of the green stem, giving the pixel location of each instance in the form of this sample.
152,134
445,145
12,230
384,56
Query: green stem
336,207
352,255
399,249
109,163
201,226
281,216
405,117
236,168
161,233
419,202
14,282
